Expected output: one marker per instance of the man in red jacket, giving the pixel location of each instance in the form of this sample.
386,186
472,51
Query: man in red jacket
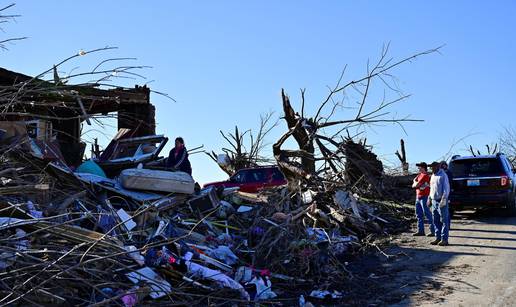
422,186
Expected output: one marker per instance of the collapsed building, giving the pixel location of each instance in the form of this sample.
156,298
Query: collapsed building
73,235
54,113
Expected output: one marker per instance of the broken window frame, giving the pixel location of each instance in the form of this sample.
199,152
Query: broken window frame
138,155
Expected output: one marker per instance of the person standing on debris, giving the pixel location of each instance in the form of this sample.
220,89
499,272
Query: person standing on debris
178,158
422,185
439,192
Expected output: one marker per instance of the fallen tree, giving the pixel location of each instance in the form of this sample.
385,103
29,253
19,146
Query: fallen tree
324,143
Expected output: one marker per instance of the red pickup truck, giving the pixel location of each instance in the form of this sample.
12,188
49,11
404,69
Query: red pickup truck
252,180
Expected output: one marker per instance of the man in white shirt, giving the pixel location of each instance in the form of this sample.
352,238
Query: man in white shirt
439,193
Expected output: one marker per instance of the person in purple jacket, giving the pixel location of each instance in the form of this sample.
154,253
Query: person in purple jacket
178,158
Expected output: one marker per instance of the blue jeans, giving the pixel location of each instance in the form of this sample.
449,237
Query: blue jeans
441,221
423,211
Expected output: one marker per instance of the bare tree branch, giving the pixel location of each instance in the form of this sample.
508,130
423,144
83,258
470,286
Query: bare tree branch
5,19
310,133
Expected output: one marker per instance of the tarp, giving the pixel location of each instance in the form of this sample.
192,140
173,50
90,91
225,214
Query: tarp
90,167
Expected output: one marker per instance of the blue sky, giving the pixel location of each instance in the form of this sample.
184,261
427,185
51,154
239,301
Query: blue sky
225,62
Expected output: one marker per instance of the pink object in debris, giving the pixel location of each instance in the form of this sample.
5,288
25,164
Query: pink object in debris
129,300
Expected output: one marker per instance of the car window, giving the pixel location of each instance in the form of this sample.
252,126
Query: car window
239,177
505,165
508,165
247,176
476,167
259,175
277,175
253,176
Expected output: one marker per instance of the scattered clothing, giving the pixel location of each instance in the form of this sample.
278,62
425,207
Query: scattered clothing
129,300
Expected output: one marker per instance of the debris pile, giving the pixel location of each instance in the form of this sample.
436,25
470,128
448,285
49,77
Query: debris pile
399,187
363,168
119,229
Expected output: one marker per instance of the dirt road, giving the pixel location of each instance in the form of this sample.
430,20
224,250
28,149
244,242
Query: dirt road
477,269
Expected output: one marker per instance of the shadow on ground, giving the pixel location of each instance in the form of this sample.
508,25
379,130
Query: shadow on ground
381,281
413,268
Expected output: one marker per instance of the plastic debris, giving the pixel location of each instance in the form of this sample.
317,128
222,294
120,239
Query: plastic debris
224,254
322,294
90,167
263,288
223,280
126,219
160,287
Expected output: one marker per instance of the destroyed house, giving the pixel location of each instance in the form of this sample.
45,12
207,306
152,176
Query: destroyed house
53,112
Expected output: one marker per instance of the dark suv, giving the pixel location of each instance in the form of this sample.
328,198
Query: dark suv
482,182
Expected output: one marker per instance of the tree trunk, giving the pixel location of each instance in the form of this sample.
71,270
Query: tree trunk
300,134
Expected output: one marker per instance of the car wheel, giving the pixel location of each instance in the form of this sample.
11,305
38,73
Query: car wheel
451,212
511,207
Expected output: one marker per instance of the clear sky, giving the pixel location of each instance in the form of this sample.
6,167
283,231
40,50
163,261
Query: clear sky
225,62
